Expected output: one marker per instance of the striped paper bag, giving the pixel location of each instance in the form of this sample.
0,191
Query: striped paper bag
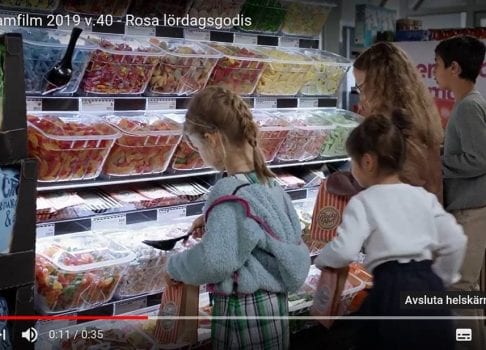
178,300
327,214
166,331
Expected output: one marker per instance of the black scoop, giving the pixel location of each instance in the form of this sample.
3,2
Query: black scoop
60,75
167,244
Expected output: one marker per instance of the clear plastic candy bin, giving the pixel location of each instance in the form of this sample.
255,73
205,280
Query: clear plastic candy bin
43,49
272,133
78,271
145,274
305,18
266,15
239,69
286,72
326,74
69,146
344,122
121,64
184,68
185,158
146,145
306,136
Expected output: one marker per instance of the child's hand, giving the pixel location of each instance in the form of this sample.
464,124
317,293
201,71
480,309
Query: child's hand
169,281
197,227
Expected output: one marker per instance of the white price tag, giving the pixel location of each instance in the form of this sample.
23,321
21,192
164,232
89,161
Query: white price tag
33,104
169,213
196,34
97,104
141,30
289,42
245,39
308,102
44,326
264,102
159,103
124,307
105,222
45,230
312,192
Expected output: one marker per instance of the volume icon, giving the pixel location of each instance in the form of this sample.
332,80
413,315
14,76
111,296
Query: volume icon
30,334
3,335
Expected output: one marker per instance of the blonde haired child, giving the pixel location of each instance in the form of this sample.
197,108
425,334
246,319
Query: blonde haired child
252,252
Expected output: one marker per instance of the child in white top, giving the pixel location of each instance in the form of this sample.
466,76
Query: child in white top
411,243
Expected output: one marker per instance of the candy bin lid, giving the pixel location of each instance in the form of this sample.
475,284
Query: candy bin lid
239,52
82,251
60,126
327,57
50,37
304,119
285,56
124,44
339,117
266,120
144,124
184,48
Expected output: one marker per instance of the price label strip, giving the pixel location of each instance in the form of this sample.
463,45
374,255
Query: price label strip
160,103
97,104
245,39
166,214
308,102
45,230
262,102
195,34
140,30
289,42
33,104
107,222
124,307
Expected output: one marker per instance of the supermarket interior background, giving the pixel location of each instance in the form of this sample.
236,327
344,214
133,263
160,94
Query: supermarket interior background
94,165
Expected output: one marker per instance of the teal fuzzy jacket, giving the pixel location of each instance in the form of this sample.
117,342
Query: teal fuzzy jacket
235,243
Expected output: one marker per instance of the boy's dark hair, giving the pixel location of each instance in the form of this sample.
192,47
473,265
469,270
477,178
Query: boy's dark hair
382,136
467,51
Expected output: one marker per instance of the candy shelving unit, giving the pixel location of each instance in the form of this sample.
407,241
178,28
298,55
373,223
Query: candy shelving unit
81,102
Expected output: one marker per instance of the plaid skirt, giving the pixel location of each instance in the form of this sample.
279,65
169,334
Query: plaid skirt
268,334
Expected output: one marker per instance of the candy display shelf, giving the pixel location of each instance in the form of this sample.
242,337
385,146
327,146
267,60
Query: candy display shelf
120,218
137,103
27,230
170,176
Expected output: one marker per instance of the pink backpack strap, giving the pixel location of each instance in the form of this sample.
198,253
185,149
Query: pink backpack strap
246,206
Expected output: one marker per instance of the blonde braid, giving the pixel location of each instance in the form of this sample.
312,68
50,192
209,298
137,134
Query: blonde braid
250,132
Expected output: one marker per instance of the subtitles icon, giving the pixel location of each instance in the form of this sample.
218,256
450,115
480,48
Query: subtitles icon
463,334
30,334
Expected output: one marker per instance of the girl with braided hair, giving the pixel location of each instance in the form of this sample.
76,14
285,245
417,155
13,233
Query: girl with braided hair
251,253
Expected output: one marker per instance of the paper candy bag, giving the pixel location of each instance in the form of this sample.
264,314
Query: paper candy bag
327,298
327,214
178,300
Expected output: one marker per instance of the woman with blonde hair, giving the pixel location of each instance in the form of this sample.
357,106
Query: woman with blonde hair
387,79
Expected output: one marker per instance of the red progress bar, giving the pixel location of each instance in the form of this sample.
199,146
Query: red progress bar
70,318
